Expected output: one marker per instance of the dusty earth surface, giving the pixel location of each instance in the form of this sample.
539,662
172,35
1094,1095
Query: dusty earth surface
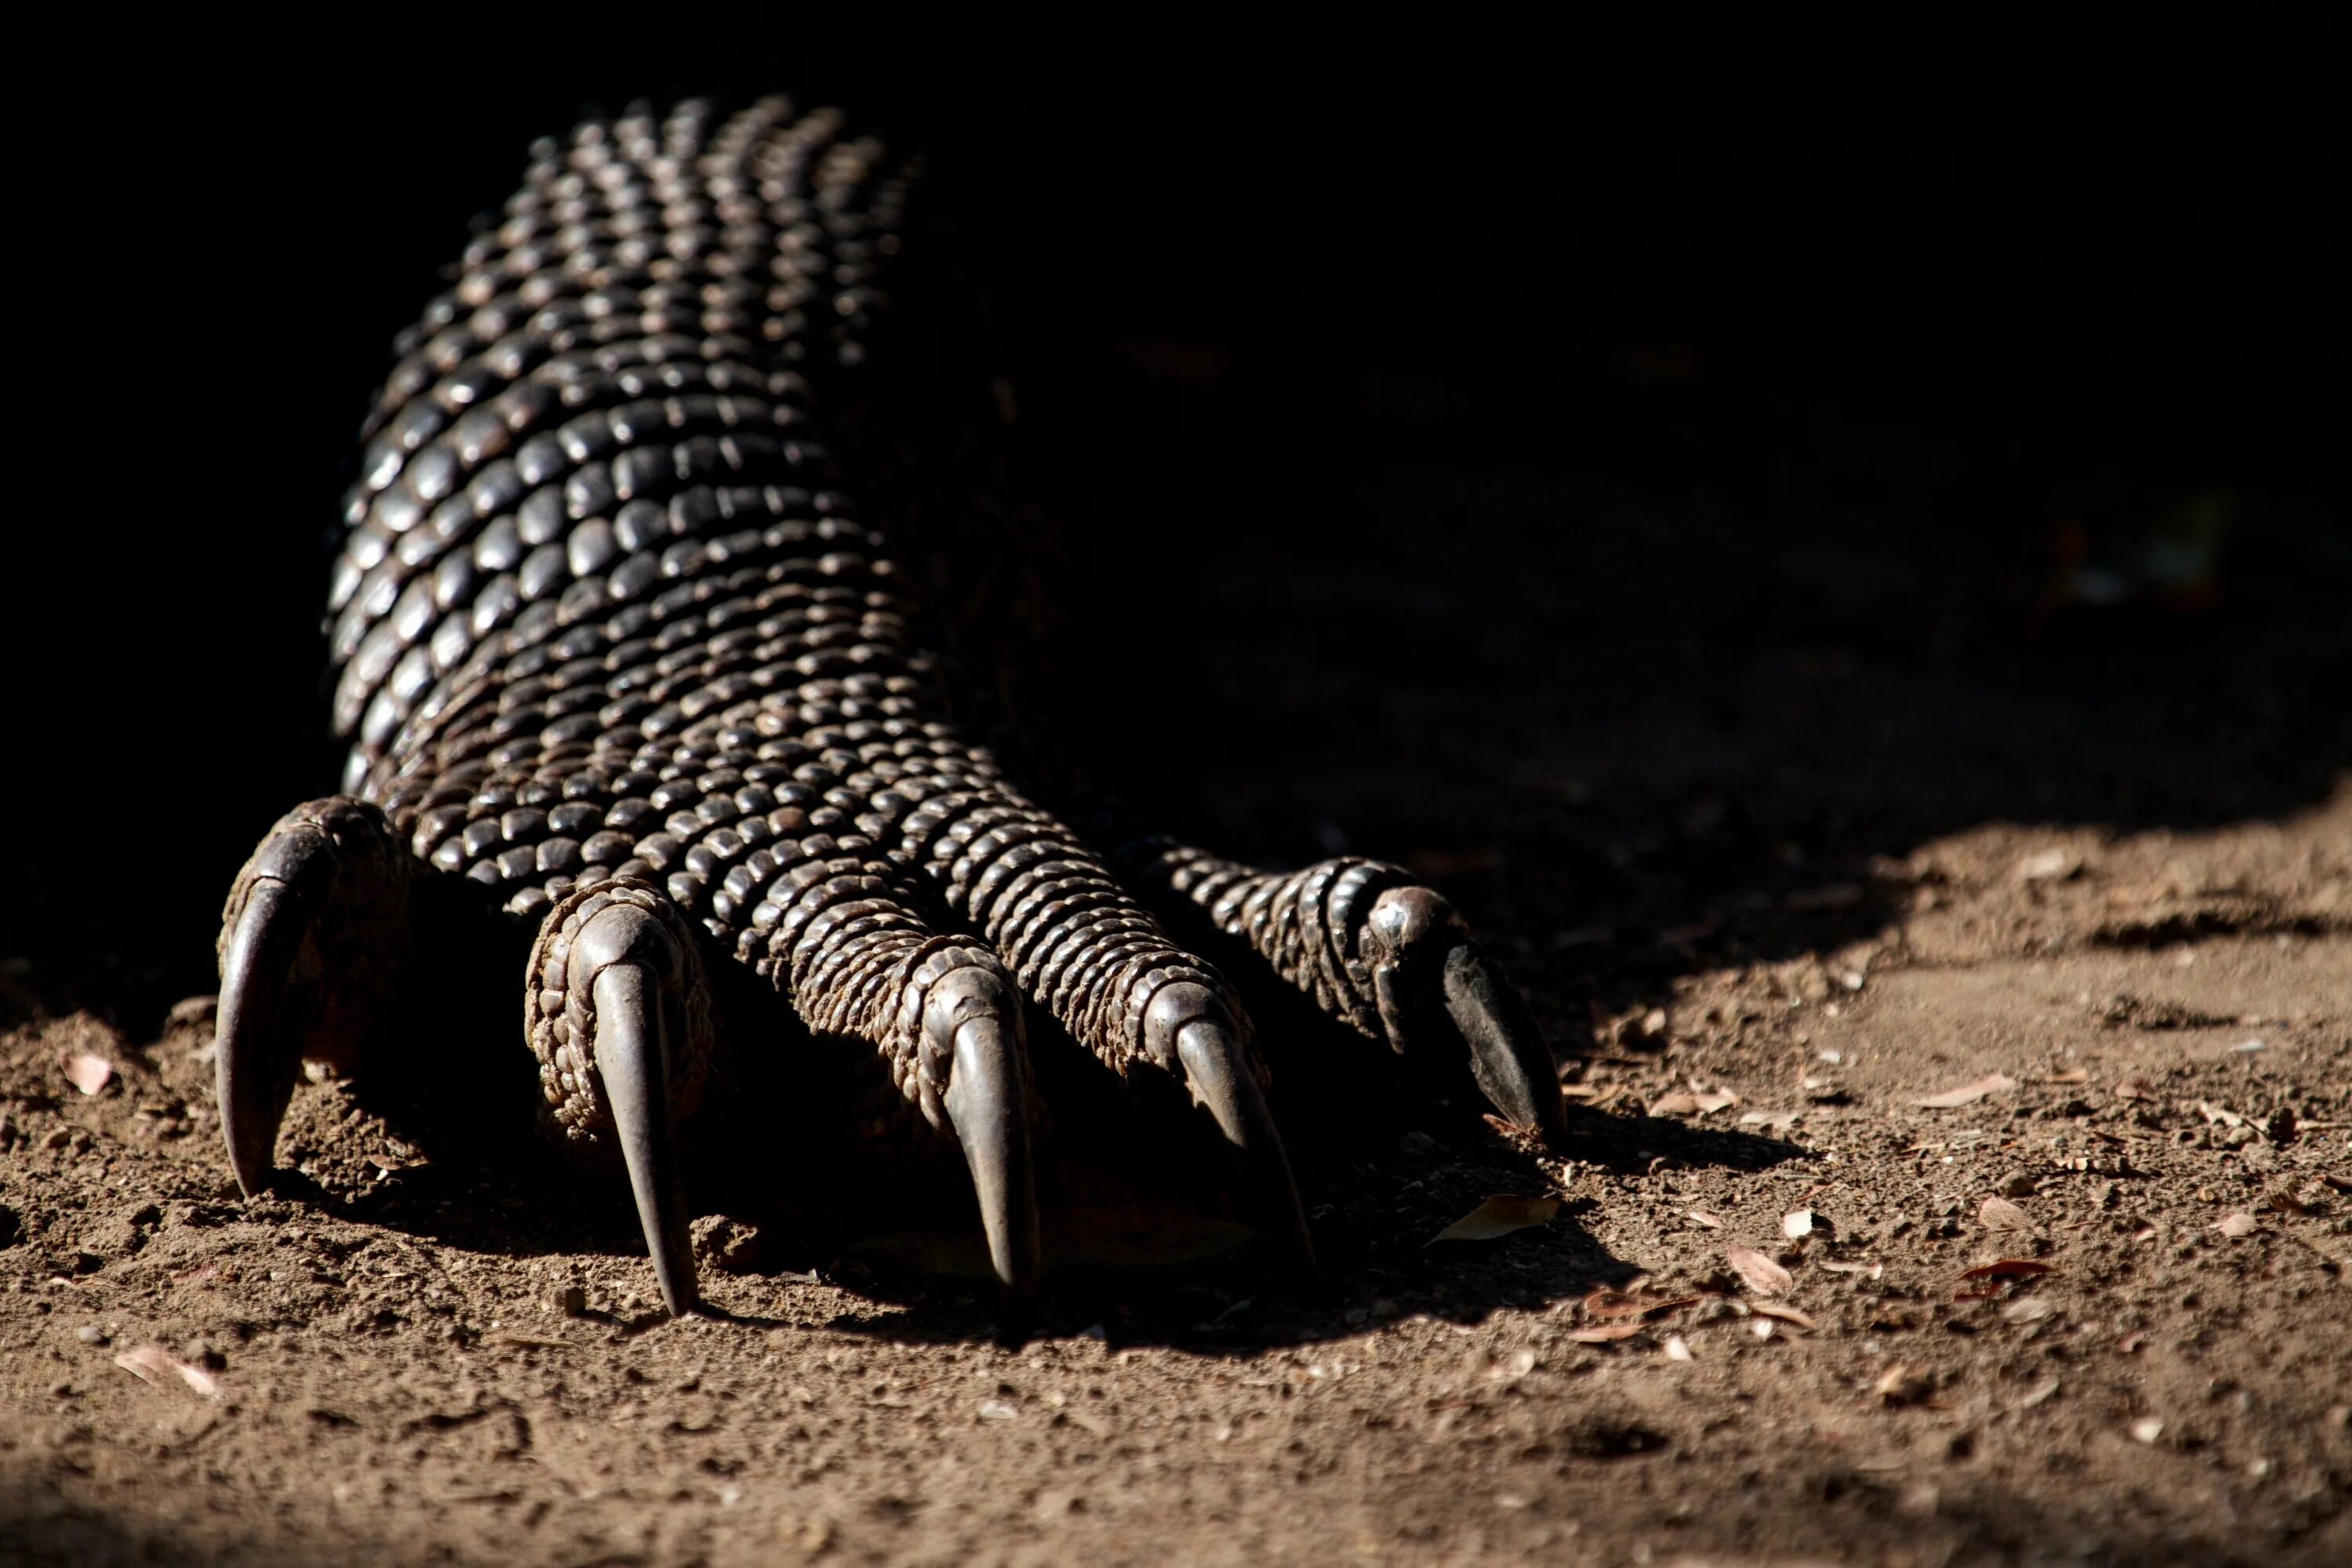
2092,1308
1694,582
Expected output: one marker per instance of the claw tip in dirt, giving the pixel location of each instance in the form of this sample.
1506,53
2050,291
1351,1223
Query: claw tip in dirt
1499,1216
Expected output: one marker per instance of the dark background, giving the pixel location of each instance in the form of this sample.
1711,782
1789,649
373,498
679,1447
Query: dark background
1631,474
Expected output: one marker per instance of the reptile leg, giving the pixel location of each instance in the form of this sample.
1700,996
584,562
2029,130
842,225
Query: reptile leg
1389,958
314,944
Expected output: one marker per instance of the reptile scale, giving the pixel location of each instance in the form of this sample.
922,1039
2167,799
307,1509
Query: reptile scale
625,672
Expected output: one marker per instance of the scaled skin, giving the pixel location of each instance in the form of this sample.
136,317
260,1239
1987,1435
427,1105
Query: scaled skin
612,644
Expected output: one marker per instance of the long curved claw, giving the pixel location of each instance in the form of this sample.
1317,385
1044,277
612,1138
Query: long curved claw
257,1045
313,941
633,970
1220,1079
1434,985
987,1104
632,1056
1508,1057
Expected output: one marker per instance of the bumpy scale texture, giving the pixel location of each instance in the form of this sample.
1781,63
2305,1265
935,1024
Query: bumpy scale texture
599,617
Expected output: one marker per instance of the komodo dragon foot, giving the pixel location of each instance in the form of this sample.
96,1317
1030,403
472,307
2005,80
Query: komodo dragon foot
620,663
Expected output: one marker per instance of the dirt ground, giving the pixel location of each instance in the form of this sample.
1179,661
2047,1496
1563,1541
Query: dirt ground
2148,1037
1706,609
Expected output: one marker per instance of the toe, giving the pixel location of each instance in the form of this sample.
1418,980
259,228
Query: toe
315,933
618,1014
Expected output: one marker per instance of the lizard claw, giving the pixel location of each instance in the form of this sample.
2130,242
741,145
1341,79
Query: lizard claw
1221,1082
987,1103
619,1018
317,913
1431,980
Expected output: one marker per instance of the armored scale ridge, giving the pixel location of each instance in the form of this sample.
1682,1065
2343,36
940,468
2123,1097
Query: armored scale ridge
619,664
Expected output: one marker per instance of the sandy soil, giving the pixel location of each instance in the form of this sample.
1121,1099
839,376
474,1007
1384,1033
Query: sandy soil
1718,681
2156,1030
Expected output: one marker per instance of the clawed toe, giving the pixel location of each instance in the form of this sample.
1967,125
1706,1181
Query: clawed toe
1187,1028
1372,950
1438,991
313,941
618,1016
971,1024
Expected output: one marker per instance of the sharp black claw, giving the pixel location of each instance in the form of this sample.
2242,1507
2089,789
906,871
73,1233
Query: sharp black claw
632,1057
632,963
258,1043
1221,1082
987,1103
1433,982
1508,1057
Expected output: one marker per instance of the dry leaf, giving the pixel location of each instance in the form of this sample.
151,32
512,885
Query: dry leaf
1681,1102
1967,1093
2134,1089
2039,1393
1703,1218
88,1073
1796,1224
1609,1305
1783,1312
2000,1213
1677,1348
154,1364
2235,1225
1763,1276
2006,1268
1602,1334
1499,1216
1900,1384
